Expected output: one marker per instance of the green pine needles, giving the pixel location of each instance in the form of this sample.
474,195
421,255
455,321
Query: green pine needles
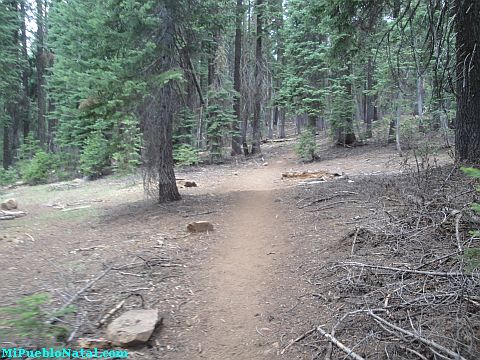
27,321
306,147
472,255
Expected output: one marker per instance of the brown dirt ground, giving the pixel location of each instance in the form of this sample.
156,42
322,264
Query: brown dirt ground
241,292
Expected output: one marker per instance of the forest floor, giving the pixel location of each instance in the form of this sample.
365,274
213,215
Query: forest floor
243,291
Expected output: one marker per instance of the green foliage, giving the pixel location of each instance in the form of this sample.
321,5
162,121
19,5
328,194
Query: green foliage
29,321
8,176
29,148
472,172
306,147
220,116
102,53
472,255
42,168
184,127
126,158
9,51
185,155
95,155
472,258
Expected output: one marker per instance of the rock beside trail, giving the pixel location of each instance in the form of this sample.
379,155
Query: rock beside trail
133,328
10,204
186,183
200,226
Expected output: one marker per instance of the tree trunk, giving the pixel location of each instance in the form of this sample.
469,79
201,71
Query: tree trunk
420,97
346,134
369,100
257,136
160,108
7,146
281,123
25,73
398,117
312,124
12,123
41,66
282,62
467,27
237,81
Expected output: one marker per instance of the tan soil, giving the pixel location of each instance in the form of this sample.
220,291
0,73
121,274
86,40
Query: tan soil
235,289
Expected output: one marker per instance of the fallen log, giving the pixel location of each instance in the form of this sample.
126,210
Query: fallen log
11,215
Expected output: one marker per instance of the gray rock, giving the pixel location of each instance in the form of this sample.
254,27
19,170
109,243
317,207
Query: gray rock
10,204
133,328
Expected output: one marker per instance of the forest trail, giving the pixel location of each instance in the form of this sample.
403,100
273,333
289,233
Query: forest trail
236,293
239,273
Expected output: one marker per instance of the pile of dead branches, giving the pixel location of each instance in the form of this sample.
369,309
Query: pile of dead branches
410,288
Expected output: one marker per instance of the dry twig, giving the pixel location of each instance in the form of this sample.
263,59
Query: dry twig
334,341
427,342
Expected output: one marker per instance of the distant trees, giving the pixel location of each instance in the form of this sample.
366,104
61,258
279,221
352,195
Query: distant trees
107,86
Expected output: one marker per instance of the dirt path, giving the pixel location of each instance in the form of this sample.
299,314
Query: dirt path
232,320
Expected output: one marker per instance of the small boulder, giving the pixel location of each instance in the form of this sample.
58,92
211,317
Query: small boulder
188,184
200,226
10,204
133,328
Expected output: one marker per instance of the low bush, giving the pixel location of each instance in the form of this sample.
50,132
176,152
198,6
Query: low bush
306,147
185,155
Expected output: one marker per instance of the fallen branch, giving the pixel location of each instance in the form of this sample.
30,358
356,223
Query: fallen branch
329,206
324,199
357,229
198,214
82,290
428,342
10,215
334,341
420,272
76,208
110,313
300,338
88,249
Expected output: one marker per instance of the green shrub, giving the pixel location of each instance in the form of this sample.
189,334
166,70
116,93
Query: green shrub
42,168
27,320
126,157
29,148
306,147
472,255
185,155
95,156
8,176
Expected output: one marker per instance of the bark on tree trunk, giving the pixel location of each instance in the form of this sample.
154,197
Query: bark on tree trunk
420,96
369,100
257,136
467,27
281,122
281,60
160,108
7,149
237,81
25,71
346,134
312,124
398,117
41,66
11,126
